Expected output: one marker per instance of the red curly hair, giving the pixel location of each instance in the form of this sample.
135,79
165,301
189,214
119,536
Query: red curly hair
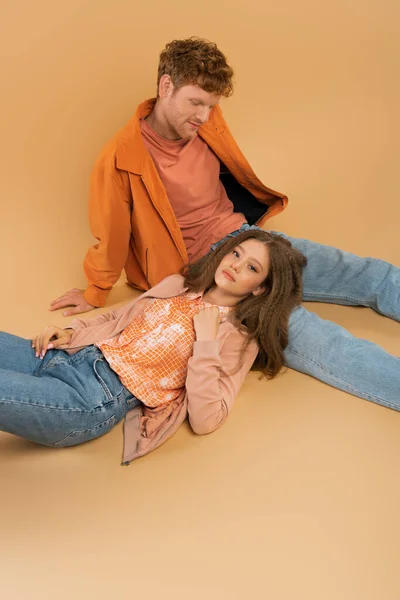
196,61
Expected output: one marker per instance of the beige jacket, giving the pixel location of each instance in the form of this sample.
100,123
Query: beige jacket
213,378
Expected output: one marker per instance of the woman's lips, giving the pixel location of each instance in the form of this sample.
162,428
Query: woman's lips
228,275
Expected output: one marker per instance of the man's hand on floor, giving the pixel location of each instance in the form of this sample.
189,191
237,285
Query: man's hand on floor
71,298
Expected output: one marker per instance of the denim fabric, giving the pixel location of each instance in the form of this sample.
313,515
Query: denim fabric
327,351
61,400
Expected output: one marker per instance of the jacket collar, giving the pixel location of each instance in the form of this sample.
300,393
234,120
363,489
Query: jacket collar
164,290
131,152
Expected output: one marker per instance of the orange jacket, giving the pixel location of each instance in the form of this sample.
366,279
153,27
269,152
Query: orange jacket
132,218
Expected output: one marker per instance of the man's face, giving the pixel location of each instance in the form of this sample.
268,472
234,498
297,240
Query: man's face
185,109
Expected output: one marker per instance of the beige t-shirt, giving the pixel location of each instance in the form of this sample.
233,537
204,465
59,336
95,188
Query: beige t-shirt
189,171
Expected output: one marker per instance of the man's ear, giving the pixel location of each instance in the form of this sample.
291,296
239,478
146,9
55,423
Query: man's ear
165,86
258,291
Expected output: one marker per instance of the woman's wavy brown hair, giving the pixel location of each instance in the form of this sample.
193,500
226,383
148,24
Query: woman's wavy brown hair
196,61
262,318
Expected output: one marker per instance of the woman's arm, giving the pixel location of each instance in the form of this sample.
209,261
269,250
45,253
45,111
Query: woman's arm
90,331
211,389
78,324
112,315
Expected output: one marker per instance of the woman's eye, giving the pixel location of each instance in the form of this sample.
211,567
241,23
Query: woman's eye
235,253
252,268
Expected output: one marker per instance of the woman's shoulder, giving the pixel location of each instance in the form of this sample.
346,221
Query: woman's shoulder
169,286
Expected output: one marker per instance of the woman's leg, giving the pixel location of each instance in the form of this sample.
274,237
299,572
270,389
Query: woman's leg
17,354
68,400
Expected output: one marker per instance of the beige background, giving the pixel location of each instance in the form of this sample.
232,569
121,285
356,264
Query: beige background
297,496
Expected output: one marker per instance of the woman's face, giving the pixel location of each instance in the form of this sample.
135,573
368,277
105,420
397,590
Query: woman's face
244,269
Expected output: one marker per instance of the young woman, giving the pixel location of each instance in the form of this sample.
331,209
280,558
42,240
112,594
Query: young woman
181,349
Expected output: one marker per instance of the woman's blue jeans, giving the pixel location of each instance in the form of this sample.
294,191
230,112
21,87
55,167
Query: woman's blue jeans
327,351
61,400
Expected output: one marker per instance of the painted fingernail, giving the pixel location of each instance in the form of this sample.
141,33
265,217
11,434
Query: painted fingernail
50,346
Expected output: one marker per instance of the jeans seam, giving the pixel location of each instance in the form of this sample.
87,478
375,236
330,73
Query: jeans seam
309,298
334,297
86,430
46,406
352,389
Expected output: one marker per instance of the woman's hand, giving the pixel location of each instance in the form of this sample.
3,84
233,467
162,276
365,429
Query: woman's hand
51,337
206,324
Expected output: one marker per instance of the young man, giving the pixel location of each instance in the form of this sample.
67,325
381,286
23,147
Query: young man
173,182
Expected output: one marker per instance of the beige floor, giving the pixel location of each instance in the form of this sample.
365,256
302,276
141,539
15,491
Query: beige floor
298,495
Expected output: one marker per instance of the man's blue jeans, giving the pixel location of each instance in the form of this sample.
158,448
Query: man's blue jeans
327,351
61,400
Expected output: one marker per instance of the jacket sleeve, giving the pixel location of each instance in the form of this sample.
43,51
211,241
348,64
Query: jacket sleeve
89,331
89,328
78,324
110,206
211,386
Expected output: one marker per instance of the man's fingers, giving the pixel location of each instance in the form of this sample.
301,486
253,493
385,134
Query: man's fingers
55,305
60,298
74,311
57,300
66,295
61,303
70,298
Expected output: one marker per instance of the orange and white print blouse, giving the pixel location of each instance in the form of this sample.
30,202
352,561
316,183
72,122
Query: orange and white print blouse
151,354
